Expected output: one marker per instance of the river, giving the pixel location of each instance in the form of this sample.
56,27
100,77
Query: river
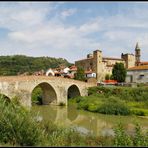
87,122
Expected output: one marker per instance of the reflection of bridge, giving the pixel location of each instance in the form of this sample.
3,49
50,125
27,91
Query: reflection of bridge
55,90
68,116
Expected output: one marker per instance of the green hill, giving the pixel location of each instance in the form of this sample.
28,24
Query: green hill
12,65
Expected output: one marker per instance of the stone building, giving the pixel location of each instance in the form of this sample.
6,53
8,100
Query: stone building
137,74
104,65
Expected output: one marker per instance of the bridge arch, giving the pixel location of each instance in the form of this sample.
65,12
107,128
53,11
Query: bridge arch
49,95
73,91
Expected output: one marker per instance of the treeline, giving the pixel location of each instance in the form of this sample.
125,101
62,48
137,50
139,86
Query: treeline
19,64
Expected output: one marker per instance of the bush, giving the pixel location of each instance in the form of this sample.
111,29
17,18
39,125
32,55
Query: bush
124,93
92,107
83,105
17,126
114,106
139,111
122,139
37,95
140,139
79,98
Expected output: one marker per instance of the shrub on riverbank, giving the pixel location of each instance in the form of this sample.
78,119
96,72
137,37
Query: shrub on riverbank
115,100
17,126
111,105
114,106
124,93
123,139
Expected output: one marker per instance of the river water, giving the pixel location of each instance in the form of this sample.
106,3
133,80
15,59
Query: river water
87,122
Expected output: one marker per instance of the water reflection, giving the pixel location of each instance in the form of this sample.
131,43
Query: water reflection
86,122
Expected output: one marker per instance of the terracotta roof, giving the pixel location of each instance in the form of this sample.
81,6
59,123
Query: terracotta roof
110,81
141,67
73,68
143,63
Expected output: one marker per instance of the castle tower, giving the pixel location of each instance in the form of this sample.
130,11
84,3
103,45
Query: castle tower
97,63
137,55
129,59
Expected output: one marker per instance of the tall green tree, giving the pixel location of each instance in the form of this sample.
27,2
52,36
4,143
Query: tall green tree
80,75
107,77
119,72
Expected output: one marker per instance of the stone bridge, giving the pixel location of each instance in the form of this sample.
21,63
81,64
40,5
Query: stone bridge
56,90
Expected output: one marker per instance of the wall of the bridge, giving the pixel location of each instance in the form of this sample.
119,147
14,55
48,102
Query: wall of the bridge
55,90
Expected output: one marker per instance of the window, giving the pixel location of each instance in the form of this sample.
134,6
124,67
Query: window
141,76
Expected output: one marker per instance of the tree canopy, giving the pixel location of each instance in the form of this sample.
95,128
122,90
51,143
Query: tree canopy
80,75
18,64
119,72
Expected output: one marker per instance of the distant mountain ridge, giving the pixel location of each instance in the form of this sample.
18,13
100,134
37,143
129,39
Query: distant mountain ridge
19,64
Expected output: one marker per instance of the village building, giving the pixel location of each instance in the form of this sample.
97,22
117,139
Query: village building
137,74
67,72
100,66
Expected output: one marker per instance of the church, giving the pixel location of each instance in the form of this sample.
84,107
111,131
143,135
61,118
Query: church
97,63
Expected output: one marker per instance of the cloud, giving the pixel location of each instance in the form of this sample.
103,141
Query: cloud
68,12
37,30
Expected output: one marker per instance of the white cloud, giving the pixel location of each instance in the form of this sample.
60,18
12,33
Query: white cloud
33,31
68,12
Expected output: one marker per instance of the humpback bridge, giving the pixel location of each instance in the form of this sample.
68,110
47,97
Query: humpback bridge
55,89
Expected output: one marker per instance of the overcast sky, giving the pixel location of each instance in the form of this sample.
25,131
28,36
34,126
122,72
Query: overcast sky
71,30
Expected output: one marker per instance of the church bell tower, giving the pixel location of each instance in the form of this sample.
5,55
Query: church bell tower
137,55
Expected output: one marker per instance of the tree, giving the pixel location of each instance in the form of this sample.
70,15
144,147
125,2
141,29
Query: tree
107,77
80,75
119,72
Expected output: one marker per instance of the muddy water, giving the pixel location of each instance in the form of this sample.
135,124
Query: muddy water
87,122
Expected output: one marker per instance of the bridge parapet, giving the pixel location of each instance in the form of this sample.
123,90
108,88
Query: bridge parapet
55,90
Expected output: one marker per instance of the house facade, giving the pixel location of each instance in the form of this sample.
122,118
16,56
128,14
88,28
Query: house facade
137,74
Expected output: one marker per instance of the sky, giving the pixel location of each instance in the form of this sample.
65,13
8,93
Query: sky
71,30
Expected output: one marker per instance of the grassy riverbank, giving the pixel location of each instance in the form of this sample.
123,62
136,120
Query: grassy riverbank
21,127
115,100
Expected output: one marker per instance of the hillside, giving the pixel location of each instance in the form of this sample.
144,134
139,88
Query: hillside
18,64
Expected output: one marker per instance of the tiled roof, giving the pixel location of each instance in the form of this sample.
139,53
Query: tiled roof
110,81
73,68
143,63
141,67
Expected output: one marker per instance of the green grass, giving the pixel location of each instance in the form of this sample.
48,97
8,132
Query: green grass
115,100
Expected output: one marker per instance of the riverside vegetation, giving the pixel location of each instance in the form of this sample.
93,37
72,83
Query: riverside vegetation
21,127
115,100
